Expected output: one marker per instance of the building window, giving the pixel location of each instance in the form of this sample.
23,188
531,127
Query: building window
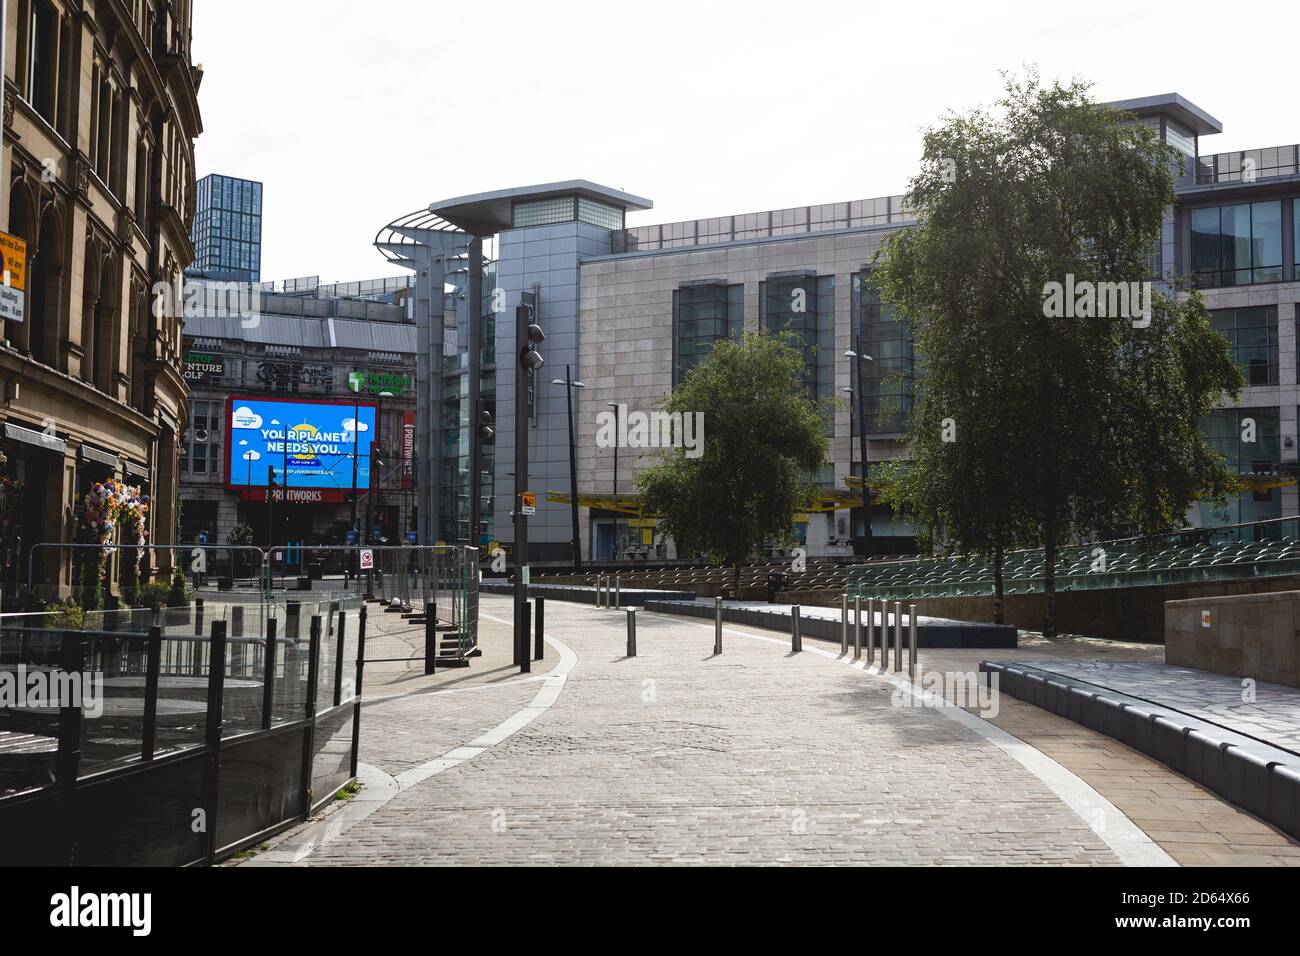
1250,440
543,212
703,315
41,74
599,213
803,306
889,379
1237,245
202,441
1252,334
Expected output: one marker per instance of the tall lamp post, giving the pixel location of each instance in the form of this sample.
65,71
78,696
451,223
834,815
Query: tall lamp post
528,335
569,385
370,493
858,357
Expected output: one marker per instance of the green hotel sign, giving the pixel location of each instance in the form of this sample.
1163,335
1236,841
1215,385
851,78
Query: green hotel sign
203,368
377,382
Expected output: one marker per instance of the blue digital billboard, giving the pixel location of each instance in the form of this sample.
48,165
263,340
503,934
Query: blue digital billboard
323,438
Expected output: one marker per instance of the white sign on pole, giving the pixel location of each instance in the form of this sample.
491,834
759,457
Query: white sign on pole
367,559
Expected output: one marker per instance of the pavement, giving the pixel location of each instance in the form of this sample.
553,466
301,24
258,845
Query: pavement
756,756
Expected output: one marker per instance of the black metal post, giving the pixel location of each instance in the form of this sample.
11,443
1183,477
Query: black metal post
522,317
212,737
338,657
269,664
540,639
573,474
430,638
67,760
356,708
309,713
153,666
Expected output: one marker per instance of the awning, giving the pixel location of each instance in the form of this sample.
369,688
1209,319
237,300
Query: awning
90,453
137,471
33,437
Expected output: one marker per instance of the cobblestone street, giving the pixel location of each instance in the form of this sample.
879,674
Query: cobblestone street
677,756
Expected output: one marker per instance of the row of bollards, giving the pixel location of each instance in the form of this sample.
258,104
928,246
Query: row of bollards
603,593
873,636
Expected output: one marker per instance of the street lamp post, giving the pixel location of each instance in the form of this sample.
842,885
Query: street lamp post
528,335
569,385
858,357
370,494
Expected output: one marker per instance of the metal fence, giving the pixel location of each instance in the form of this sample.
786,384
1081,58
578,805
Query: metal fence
175,735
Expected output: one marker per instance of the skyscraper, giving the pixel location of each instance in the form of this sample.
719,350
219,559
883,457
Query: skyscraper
227,232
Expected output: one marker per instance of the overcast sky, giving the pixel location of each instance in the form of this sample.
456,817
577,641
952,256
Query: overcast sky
354,114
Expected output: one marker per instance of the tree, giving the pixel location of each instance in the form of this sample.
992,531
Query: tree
1073,390
764,443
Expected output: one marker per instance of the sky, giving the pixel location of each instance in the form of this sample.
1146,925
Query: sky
353,115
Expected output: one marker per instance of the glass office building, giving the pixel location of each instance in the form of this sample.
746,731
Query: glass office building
227,232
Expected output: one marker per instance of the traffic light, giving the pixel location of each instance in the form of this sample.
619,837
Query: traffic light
530,360
270,476
485,429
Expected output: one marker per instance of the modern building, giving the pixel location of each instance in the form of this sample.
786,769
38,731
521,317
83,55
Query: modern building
100,117
227,231
629,308
308,351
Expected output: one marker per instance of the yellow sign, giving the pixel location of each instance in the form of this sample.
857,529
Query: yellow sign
643,523
13,270
529,501
13,261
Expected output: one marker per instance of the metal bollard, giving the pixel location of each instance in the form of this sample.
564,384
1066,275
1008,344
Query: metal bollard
844,624
884,635
857,627
871,630
717,625
911,643
796,638
617,582
898,636
539,640
631,632
600,580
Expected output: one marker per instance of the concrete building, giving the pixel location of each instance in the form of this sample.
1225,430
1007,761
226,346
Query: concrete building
227,231
302,342
100,117
631,307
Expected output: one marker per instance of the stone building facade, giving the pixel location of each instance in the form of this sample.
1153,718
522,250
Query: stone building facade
100,118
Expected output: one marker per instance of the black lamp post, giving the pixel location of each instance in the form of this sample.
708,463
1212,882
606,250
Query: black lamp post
528,335
569,385
858,357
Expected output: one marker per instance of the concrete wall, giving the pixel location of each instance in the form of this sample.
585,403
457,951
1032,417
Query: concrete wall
1245,635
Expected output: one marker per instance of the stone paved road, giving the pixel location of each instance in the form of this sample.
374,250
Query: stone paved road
757,757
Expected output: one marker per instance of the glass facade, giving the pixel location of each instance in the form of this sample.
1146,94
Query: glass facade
704,314
890,378
1237,245
1252,335
805,306
1250,440
202,442
547,212
227,232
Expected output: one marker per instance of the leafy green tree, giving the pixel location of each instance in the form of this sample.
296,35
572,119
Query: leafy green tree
764,442
1065,422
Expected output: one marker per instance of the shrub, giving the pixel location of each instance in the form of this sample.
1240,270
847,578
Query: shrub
155,594
176,595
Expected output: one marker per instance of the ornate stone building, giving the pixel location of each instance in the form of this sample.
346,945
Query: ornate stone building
100,117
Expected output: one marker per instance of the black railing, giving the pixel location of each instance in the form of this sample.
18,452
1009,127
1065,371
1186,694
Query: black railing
166,747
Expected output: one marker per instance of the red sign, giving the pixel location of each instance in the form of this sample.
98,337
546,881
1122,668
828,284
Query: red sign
408,450
296,496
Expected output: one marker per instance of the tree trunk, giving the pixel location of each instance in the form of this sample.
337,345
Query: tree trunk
1049,578
997,585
